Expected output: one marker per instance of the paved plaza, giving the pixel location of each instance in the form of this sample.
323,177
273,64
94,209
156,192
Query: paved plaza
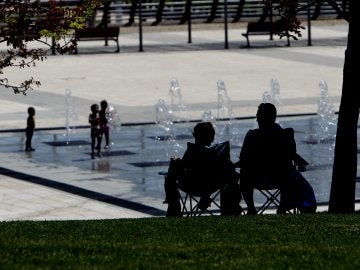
60,180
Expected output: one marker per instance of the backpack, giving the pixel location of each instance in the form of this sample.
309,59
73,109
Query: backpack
306,201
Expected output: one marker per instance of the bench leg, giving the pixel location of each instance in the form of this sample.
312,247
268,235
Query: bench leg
246,35
117,45
247,41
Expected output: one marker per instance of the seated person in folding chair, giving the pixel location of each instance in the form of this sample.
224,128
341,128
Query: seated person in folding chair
203,170
267,159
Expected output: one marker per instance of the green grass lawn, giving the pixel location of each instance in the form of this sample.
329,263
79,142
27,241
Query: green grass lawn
319,241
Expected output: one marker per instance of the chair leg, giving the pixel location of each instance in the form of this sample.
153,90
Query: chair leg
271,199
190,205
184,209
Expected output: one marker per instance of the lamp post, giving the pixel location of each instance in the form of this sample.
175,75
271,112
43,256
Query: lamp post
309,23
226,24
140,27
189,23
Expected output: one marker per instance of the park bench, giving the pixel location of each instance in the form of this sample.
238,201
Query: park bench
264,28
99,33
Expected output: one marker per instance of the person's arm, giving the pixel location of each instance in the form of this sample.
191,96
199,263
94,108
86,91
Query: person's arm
289,138
33,123
186,158
244,153
298,160
293,143
28,126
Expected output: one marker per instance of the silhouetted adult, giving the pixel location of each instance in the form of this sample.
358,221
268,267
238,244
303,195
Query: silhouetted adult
203,169
268,156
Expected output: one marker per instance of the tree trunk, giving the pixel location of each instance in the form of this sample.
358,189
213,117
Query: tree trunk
342,194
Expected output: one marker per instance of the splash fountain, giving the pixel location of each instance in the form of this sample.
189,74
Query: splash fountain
70,117
226,129
176,98
273,96
323,128
326,115
69,114
165,120
114,121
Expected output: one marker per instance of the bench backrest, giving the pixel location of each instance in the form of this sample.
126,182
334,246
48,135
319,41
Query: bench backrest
266,27
97,32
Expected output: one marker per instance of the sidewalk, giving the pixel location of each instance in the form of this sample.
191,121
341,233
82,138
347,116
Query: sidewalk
133,82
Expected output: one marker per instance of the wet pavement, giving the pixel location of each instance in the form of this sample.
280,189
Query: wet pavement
60,180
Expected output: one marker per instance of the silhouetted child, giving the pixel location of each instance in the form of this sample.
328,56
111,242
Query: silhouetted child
94,120
30,128
104,127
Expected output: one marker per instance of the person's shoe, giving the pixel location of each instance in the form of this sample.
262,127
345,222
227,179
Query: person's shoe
174,210
233,211
27,149
251,212
106,147
238,211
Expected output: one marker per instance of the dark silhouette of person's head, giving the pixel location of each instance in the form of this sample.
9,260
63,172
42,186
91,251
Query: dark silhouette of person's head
204,133
31,111
103,104
266,115
94,108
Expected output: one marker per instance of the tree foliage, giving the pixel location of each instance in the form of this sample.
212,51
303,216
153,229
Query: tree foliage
24,21
288,11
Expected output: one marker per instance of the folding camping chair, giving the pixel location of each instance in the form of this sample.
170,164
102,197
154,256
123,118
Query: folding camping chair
190,204
187,182
271,192
190,201
271,195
